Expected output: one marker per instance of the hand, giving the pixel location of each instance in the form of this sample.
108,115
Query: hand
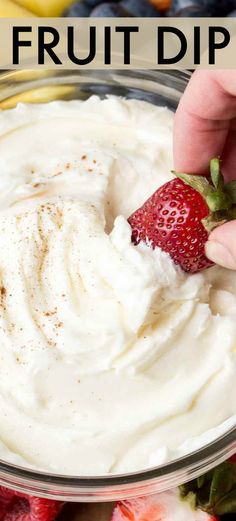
205,127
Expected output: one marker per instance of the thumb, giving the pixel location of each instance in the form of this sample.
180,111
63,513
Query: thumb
221,245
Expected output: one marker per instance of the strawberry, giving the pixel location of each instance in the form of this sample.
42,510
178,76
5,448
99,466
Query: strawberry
160,507
16,506
232,459
179,216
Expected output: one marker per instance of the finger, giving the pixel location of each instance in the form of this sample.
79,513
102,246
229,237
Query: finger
203,118
221,246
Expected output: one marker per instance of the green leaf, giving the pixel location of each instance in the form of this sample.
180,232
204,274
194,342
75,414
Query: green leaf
212,222
216,176
201,480
230,188
227,505
218,201
222,483
214,492
198,182
232,213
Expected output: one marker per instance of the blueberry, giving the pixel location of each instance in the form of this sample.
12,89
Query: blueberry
193,11
176,5
219,8
180,4
141,8
79,9
232,14
109,9
94,3
209,7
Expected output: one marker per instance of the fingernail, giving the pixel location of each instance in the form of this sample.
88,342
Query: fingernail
219,254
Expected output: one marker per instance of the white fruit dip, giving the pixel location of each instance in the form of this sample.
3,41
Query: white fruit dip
111,358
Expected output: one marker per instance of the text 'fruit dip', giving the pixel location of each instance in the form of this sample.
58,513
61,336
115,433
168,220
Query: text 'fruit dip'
112,359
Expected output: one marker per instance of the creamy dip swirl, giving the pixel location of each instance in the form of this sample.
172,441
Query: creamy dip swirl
111,358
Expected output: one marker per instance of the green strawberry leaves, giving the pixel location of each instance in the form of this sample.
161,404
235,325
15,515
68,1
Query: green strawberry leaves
230,188
216,176
198,182
218,201
227,505
215,492
222,483
214,220
201,480
220,197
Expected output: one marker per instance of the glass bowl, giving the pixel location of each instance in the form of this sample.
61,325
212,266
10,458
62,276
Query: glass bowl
157,87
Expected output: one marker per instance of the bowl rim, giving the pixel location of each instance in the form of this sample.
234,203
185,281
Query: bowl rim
218,446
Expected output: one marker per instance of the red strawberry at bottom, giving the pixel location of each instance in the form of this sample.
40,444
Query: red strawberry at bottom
179,216
160,507
232,459
15,506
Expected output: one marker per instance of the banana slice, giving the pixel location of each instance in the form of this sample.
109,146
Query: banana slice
9,9
45,7
40,95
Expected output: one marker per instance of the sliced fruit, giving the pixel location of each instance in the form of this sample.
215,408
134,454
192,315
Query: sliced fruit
9,9
159,507
233,459
40,95
15,506
46,7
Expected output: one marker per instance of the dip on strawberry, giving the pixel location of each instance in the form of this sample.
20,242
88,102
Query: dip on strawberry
179,216
113,358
